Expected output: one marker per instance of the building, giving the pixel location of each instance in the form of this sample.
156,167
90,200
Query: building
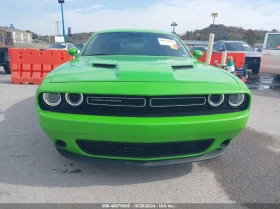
195,43
19,36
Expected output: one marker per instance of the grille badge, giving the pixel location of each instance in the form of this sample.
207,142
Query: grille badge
117,101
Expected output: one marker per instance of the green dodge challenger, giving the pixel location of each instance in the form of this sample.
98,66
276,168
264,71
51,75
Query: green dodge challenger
139,97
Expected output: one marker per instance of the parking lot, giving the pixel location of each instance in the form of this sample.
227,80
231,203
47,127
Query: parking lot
33,171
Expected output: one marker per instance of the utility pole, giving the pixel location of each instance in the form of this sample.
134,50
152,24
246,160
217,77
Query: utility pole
57,27
214,15
174,24
61,2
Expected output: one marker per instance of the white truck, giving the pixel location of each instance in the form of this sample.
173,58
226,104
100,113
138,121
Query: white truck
270,58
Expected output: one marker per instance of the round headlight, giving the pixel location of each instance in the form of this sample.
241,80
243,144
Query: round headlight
235,100
216,100
74,99
52,99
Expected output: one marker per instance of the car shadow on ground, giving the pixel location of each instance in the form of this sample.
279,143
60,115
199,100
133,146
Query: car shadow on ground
29,158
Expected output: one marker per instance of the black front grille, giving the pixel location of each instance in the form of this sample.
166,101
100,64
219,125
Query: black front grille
252,60
144,106
177,101
144,150
116,101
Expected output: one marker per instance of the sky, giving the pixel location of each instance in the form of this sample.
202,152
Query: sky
40,16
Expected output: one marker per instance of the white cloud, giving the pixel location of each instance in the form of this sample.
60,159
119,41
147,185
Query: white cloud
189,15
90,8
32,2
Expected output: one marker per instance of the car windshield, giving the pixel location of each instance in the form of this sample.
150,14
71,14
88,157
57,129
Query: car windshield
135,43
79,46
238,46
56,46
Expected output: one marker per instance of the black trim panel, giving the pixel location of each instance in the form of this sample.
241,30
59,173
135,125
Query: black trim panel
143,150
162,106
208,156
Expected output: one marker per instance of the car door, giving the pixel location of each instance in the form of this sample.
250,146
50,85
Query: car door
270,58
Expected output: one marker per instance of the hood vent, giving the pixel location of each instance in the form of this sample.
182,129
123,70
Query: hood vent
108,66
182,67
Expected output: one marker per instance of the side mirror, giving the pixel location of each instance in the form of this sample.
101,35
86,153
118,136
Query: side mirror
197,54
73,52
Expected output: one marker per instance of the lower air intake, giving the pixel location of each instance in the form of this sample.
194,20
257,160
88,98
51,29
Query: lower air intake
144,150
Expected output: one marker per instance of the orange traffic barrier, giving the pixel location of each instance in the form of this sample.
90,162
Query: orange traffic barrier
30,66
238,58
215,58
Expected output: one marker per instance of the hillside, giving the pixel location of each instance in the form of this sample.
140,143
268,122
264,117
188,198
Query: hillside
80,37
223,32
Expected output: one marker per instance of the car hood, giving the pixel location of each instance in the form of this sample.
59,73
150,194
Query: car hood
139,69
248,53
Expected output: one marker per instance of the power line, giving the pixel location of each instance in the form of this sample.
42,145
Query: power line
57,27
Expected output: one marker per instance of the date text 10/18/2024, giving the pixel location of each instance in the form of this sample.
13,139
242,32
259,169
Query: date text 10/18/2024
138,205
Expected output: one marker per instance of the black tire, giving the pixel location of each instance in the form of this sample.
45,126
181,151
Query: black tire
255,68
7,68
277,77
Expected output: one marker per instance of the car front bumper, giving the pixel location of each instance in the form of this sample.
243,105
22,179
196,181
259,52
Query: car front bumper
70,128
83,158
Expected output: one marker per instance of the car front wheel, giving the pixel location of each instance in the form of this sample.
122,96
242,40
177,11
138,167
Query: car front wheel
7,68
255,68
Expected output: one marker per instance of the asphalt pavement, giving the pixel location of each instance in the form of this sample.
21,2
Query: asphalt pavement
31,170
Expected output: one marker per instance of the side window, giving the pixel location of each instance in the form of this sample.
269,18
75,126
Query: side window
221,47
273,41
1,40
216,46
70,46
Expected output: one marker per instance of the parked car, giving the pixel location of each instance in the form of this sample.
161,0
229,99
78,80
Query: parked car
6,42
201,48
271,54
79,46
62,46
252,58
140,97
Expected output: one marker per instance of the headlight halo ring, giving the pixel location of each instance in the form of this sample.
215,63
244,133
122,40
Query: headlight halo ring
222,99
52,104
242,99
67,98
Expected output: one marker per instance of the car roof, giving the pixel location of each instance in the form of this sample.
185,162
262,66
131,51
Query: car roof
229,41
133,30
60,43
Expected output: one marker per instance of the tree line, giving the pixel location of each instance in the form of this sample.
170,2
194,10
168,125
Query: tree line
223,32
